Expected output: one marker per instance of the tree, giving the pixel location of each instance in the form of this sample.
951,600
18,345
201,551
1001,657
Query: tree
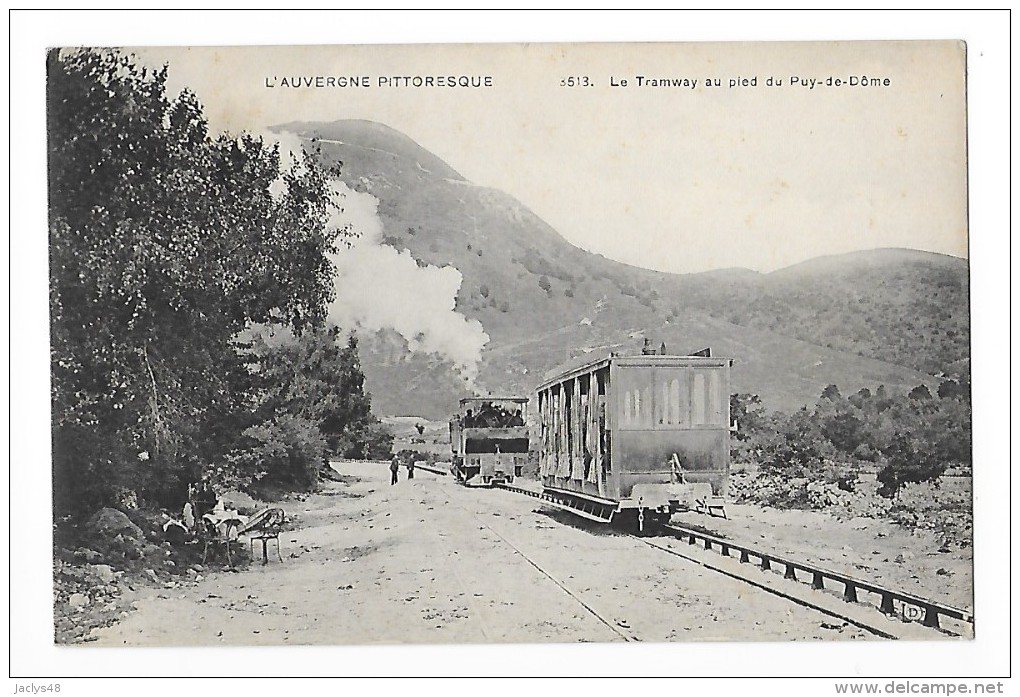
908,461
165,243
318,377
843,429
860,398
831,393
747,411
921,392
952,389
795,447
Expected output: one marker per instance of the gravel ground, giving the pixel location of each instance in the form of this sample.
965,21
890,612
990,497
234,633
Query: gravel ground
427,561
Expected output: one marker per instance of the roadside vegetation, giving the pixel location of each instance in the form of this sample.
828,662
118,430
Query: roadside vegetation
904,457
174,253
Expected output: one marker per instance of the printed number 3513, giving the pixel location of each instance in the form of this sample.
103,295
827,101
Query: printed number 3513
576,81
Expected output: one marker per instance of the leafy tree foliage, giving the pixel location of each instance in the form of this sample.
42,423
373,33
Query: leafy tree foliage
318,377
285,451
165,243
908,460
913,437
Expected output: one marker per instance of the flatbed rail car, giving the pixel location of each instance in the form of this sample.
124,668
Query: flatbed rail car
635,436
489,440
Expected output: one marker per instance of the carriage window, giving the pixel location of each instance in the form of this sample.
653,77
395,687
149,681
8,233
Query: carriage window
715,413
698,399
708,399
636,403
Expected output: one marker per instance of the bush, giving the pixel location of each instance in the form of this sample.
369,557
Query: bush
288,450
366,441
908,463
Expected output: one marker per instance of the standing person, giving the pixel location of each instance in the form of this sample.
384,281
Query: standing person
410,469
394,466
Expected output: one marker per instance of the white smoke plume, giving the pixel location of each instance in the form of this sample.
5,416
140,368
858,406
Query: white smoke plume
380,287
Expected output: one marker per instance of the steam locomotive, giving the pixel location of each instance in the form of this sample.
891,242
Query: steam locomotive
489,440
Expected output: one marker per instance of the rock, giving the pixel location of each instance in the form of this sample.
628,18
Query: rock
103,572
111,523
239,501
78,600
151,575
89,556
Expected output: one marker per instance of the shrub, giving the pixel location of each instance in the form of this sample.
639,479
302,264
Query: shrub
286,450
907,463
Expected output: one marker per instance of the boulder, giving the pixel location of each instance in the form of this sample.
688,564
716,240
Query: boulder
239,501
109,522
103,572
87,555
78,600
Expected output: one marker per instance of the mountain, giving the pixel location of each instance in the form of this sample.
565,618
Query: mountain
893,317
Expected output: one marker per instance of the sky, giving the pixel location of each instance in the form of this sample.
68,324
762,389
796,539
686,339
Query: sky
679,179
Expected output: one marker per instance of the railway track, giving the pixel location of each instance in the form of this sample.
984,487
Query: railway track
620,632
802,582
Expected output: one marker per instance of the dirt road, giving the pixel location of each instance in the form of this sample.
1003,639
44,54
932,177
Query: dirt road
426,561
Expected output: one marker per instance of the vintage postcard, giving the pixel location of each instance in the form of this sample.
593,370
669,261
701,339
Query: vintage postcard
510,344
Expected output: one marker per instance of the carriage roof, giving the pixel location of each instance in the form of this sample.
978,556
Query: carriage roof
472,400
588,363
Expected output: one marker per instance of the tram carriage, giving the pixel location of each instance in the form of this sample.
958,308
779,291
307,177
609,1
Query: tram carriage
637,436
489,440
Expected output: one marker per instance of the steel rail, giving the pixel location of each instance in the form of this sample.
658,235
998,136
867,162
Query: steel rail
432,470
851,585
803,602
548,575
931,609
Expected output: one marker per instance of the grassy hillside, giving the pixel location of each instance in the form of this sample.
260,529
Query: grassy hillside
896,317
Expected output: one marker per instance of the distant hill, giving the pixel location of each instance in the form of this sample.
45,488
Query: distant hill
893,317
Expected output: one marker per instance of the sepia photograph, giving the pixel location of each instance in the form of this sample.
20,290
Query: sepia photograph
475,346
